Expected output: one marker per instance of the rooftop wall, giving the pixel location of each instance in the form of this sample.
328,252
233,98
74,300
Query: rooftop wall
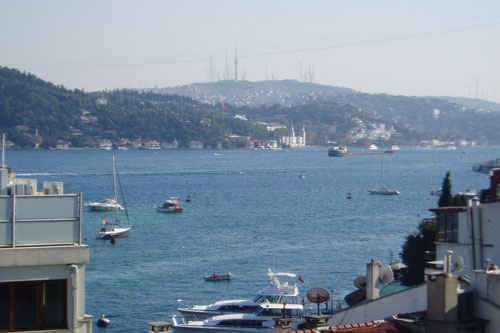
33,220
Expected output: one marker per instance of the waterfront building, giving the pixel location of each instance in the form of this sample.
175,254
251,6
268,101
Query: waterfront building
293,141
105,144
170,145
42,258
152,145
195,144
61,144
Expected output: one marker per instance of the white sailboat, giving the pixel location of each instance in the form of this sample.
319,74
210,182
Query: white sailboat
383,190
112,230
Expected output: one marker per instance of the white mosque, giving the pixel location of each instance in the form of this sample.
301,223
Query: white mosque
293,141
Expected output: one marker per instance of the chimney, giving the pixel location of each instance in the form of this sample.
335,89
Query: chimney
372,280
442,300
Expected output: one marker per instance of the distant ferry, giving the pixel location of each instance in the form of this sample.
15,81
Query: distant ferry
337,151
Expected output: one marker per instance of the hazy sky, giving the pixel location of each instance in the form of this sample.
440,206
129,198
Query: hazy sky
420,47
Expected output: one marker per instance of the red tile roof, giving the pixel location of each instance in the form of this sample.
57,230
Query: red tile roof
369,327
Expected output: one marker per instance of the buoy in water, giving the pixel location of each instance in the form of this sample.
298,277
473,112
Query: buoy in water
103,321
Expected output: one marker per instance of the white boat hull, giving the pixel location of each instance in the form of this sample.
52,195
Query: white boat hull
103,208
110,233
384,192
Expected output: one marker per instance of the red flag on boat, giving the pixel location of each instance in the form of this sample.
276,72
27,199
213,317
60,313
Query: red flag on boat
303,300
301,279
105,222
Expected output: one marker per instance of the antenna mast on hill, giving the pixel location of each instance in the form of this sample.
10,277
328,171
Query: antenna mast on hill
235,63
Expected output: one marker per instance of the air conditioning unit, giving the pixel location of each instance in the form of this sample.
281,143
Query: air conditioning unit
53,188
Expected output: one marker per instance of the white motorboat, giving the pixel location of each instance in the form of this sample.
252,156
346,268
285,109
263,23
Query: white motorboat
170,205
114,230
385,191
263,320
275,292
104,205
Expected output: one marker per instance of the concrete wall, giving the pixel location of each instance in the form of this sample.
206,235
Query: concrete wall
52,263
407,301
486,310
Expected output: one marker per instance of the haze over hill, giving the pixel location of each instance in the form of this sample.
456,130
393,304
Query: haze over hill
288,93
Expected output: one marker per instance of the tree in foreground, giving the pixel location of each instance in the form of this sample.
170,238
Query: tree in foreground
446,198
415,252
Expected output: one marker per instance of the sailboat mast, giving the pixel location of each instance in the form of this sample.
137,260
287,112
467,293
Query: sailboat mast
382,173
114,181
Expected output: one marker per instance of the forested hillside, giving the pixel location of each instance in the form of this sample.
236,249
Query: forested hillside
28,104
34,112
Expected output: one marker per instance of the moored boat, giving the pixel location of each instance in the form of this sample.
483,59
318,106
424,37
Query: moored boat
218,277
104,205
114,230
170,205
337,151
385,191
262,320
275,292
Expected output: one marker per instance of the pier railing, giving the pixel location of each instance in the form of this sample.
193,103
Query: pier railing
40,220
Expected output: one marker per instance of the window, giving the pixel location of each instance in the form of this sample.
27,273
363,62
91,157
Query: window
33,305
447,228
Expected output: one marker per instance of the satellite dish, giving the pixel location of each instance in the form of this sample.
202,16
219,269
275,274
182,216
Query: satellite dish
385,274
318,295
457,264
360,282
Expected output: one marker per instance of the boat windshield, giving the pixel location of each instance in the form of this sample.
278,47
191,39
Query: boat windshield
267,298
277,312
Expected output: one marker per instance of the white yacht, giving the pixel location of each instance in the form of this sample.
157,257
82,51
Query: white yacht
104,205
261,321
275,292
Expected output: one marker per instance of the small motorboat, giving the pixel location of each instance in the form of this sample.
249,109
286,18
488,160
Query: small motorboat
170,206
218,277
188,198
302,176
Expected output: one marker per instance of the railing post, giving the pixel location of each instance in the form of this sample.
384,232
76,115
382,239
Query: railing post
13,195
80,201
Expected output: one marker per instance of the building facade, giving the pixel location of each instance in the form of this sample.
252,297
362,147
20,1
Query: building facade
42,258
293,141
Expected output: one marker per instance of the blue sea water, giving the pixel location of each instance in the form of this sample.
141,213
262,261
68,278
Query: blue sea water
250,212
